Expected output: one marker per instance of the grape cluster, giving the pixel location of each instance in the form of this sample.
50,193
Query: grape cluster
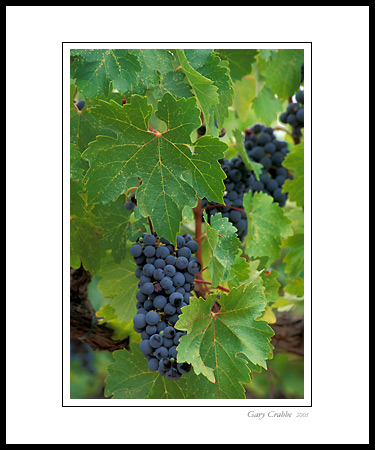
237,183
166,278
262,147
294,114
83,353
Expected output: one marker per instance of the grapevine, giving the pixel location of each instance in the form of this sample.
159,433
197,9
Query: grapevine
187,215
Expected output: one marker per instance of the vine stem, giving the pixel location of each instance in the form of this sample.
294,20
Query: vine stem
198,227
198,235
150,225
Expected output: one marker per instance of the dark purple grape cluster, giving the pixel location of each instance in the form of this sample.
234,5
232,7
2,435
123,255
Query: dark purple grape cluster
237,183
166,278
294,114
262,147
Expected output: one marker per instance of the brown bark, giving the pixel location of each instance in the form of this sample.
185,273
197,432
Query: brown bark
83,322
289,331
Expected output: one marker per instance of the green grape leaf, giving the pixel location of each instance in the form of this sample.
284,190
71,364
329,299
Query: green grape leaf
120,284
172,168
219,345
244,93
224,247
83,126
283,73
84,238
114,220
238,272
240,60
296,287
95,69
267,226
266,106
294,162
294,259
117,227
106,314
267,54
271,285
269,277
85,234
204,89
218,71
153,63
129,378
197,57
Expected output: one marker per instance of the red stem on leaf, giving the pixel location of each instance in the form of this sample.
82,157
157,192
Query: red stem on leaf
224,206
222,288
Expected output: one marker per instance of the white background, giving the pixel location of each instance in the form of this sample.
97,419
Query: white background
340,147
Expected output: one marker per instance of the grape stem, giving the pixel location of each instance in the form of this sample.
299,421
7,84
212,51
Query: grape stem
222,288
150,224
279,128
200,237
129,192
224,206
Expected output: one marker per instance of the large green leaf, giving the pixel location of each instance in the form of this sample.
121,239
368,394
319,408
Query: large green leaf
220,345
83,126
95,69
203,88
240,60
266,106
120,284
283,73
173,169
218,71
85,233
224,247
117,227
129,378
267,226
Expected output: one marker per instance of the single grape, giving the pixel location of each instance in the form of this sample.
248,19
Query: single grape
139,320
156,341
136,250
149,239
81,104
169,332
152,317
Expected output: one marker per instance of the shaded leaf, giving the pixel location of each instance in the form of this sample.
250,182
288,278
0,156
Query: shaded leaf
267,226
